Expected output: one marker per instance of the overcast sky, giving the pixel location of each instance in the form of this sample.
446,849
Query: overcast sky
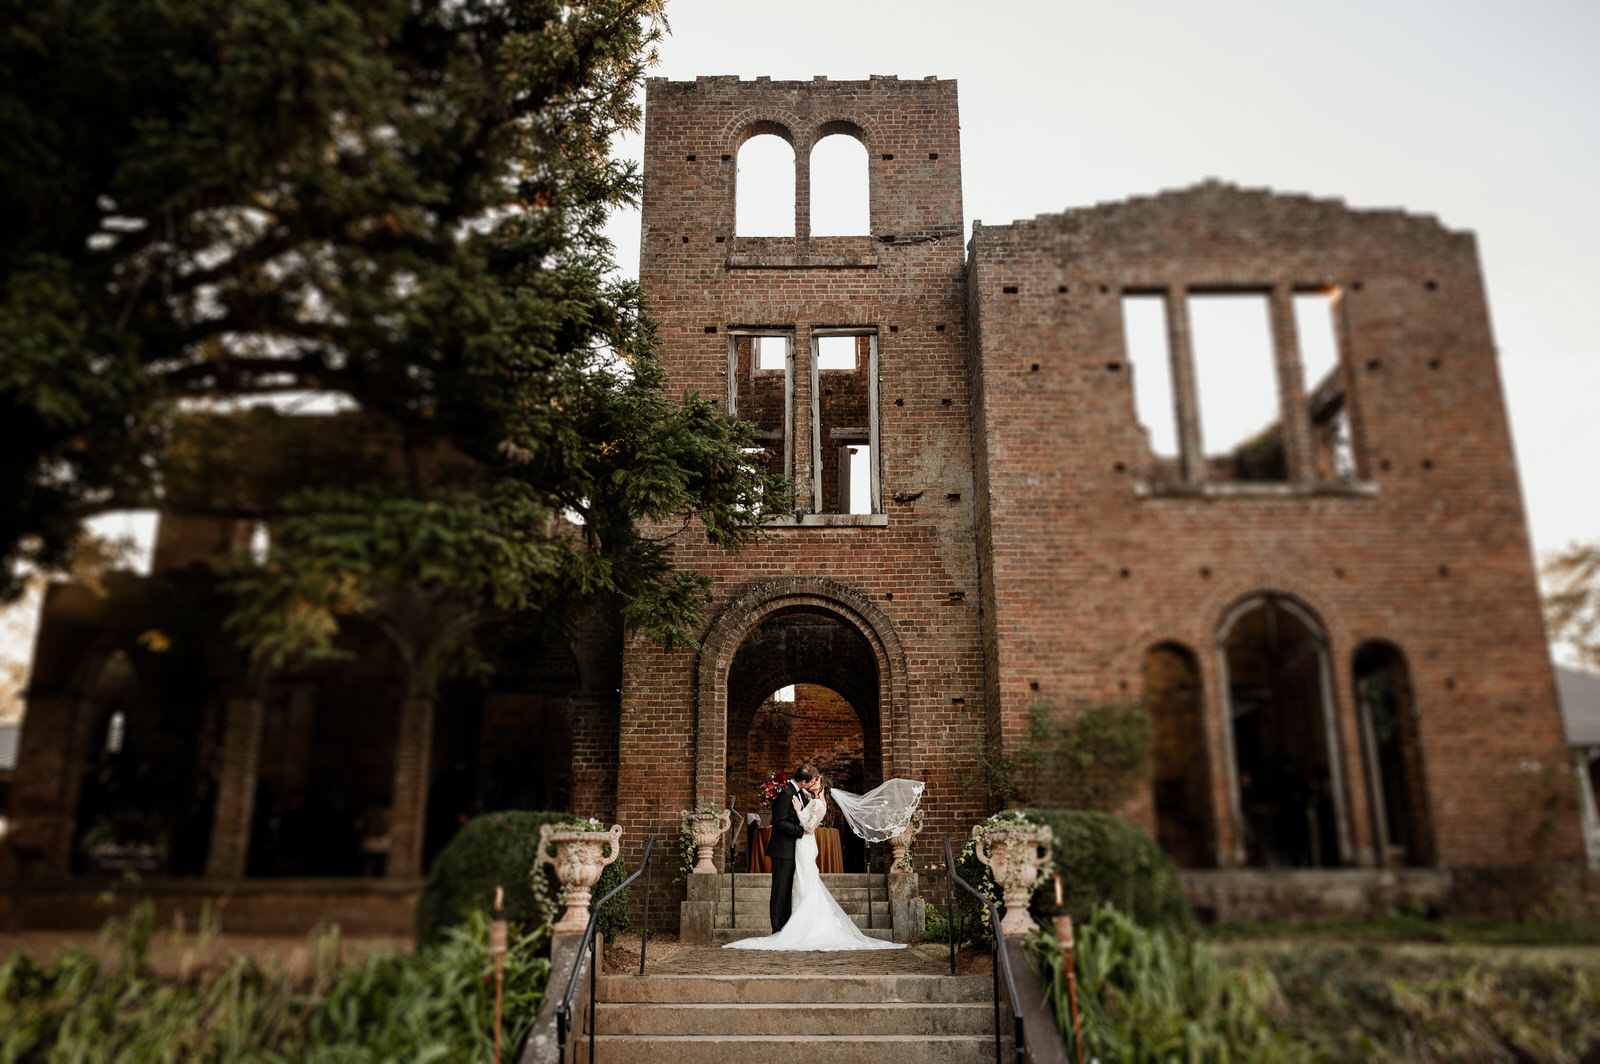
1485,115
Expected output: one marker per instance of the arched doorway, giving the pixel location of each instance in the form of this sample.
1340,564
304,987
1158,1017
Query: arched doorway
1394,759
1181,775
804,632
1285,751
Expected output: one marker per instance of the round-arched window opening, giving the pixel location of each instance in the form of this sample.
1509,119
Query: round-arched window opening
764,187
840,202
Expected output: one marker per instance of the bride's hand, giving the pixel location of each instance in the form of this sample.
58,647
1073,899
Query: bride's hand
796,803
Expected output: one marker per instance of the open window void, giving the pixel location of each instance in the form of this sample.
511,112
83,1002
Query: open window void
844,391
764,187
840,202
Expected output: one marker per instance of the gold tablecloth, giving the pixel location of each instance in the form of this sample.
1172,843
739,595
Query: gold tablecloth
830,858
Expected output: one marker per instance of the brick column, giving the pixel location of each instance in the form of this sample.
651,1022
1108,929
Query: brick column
412,762
49,778
1296,419
1185,398
236,789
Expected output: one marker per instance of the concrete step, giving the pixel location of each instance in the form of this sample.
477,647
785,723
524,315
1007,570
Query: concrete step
789,1020
816,1049
722,935
806,989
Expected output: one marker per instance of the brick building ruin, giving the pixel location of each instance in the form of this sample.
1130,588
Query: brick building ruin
1332,619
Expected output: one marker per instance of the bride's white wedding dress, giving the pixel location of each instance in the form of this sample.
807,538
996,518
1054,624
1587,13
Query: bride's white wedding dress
816,922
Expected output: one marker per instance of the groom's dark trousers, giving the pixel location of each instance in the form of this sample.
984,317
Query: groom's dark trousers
786,831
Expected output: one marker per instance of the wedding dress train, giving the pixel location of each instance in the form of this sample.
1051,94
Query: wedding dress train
816,922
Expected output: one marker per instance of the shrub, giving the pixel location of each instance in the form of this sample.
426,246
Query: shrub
500,849
1103,860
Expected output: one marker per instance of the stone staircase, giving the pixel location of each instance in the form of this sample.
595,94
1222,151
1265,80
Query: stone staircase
742,912
818,1017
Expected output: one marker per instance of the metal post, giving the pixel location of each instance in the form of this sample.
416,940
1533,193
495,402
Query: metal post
644,932
497,951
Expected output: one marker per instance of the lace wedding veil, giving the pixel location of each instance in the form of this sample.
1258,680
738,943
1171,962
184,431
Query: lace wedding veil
881,813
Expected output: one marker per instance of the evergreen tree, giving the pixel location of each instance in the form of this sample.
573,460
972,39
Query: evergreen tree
394,203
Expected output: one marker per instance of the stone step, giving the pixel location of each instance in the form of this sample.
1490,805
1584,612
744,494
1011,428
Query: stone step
816,1049
790,1020
722,935
808,989
845,896
834,880
751,915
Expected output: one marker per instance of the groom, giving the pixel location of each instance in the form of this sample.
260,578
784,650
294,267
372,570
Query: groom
786,831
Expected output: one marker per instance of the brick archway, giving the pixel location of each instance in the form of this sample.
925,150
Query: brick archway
821,597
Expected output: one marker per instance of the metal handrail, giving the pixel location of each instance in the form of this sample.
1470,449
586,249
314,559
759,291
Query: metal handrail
1002,960
733,851
564,1010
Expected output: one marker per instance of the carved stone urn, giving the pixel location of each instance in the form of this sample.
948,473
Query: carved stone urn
1015,853
580,858
707,829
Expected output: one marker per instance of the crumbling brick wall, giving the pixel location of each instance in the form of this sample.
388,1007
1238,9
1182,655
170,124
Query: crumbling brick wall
1094,556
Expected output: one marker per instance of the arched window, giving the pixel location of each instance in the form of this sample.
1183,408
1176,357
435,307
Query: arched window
840,204
1172,697
1394,766
1285,750
764,187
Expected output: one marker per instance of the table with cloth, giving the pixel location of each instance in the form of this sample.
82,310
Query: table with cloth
830,857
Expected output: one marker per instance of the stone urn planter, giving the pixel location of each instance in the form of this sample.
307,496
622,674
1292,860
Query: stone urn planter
1015,853
707,829
580,858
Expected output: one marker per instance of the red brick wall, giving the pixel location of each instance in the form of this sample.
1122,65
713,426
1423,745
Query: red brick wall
1086,572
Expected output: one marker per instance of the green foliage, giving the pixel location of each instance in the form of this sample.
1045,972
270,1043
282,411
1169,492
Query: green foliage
500,849
433,1005
395,204
1440,1006
1087,759
1147,995
1103,860
1572,600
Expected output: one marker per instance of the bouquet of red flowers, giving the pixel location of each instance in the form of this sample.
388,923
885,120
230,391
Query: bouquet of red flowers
774,785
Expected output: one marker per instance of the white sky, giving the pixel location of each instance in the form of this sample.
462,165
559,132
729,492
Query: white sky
1484,114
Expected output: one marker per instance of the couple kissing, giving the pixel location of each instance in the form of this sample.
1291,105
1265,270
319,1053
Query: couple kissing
805,915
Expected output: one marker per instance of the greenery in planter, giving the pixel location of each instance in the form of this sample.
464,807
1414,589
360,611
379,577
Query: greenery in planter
433,1005
688,852
500,849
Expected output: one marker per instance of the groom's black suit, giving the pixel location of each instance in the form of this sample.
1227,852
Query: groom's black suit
786,831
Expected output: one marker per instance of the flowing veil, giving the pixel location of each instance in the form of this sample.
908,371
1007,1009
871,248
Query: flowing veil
881,813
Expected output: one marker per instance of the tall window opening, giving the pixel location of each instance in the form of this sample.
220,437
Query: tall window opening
761,391
1284,752
844,398
1236,382
1172,697
840,202
1333,450
1144,326
764,187
1389,723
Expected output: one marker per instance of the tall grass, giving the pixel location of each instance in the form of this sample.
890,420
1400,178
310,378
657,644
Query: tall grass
1148,995
1154,996
107,1005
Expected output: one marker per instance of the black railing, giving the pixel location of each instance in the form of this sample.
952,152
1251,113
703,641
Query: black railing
1002,960
564,1010
733,851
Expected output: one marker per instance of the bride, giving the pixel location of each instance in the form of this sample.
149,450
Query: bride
817,922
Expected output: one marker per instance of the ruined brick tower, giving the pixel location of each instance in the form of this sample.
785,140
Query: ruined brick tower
849,354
